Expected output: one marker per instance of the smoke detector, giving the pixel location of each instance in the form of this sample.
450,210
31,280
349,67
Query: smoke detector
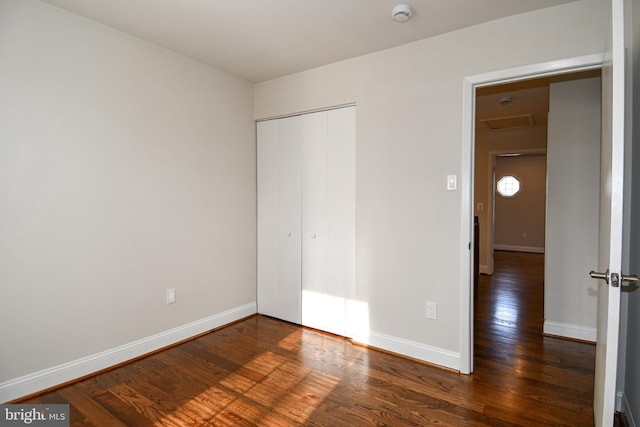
401,13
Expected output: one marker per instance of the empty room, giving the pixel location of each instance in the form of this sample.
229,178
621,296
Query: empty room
236,212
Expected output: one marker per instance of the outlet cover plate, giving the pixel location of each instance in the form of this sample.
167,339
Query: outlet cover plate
171,296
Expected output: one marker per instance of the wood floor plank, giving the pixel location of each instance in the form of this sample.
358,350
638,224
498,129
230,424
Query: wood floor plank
87,405
265,372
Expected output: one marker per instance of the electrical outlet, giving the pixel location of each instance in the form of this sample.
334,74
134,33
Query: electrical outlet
171,296
432,310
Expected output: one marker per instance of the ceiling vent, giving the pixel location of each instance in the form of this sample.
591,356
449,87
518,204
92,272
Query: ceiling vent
525,120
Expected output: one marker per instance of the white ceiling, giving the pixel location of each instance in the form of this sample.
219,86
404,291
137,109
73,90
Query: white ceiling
527,97
262,39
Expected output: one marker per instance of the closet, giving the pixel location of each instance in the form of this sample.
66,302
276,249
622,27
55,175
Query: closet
306,218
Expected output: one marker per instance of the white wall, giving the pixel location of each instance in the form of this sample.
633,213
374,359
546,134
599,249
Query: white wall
519,222
573,200
125,169
409,139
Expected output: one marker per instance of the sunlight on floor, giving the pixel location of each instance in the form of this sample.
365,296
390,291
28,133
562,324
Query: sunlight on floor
269,381
507,314
506,307
204,406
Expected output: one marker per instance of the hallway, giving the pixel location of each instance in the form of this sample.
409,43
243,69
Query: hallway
550,376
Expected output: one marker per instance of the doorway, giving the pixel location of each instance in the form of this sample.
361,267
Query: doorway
511,122
471,84
516,215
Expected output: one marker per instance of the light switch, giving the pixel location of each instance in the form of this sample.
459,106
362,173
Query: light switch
452,182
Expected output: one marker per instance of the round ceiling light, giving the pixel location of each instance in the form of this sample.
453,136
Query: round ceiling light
401,13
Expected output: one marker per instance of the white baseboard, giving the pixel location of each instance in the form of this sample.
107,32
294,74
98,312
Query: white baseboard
622,405
484,269
570,331
50,377
514,248
434,355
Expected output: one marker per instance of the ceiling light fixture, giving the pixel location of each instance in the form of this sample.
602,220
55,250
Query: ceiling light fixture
401,13
506,100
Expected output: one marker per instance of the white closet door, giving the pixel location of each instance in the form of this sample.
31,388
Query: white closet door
279,219
267,177
315,234
290,221
329,185
341,257
306,219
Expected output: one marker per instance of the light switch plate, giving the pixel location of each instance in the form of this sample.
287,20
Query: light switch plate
432,310
452,182
171,296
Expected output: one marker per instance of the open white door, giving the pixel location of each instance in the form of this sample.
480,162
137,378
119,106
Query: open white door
611,221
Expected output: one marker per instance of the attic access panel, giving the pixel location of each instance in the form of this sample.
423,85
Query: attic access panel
498,123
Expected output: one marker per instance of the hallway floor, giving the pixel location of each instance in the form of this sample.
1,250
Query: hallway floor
552,377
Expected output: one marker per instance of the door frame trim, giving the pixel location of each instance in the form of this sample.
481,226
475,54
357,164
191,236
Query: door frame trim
470,83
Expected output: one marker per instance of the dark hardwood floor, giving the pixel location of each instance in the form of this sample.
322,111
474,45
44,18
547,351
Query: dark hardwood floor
262,371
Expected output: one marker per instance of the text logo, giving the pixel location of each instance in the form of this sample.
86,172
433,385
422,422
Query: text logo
34,415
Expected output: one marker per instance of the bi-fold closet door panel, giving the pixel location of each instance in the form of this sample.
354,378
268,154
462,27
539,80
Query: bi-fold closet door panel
315,210
328,212
279,219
